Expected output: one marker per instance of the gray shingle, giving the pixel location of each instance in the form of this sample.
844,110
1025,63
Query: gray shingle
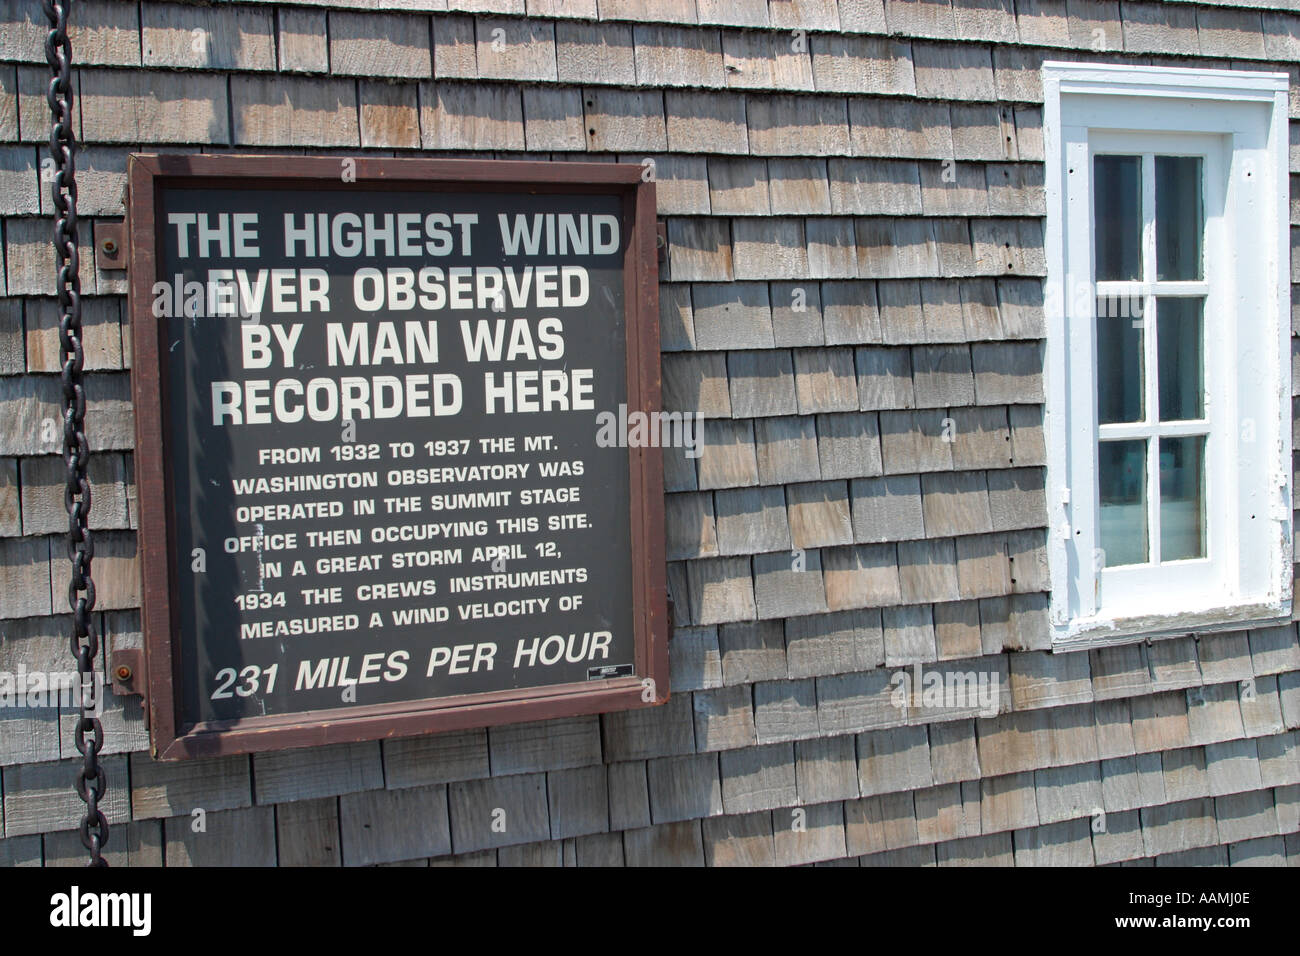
851,313
1067,793
832,252
949,188
764,60
684,788
175,789
499,811
228,838
948,812
544,745
892,760
625,120
758,778
1058,844
955,503
1119,671
848,446
900,128
694,659
375,825
441,758
771,248
738,186
797,314
721,590
861,576
673,56
826,769
1213,713
307,833
303,41
390,115
957,629
788,584
673,844
823,644
731,316
1179,826
853,703
885,377
993,850
739,840
752,519
724,718
787,449
1129,783
649,732
798,126
809,834
697,119
689,526
629,795
785,710
553,120
927,571
762,383
1230,767
799,187
368,45
601,849
874,187
471,116
286,775
923,18
953,753
1230,33
726,454
944,71
857,64
592,52
740,13
819,514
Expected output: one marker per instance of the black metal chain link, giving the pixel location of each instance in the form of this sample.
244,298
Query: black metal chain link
91,782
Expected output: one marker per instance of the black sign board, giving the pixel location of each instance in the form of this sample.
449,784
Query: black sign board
386,476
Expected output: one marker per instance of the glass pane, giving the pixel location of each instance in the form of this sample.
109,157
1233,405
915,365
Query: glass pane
1119,359
1122,482
1117,215
1179,219
1178,342
1182,498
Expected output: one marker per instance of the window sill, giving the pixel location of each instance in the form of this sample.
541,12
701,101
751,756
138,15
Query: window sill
1109,632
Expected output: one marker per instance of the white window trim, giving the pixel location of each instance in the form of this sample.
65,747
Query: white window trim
1195,101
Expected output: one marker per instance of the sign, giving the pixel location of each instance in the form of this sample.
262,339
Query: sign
385,473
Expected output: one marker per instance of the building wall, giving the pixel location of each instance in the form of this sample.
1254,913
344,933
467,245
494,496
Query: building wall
854,199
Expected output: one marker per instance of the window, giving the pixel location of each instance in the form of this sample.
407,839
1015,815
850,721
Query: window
1168,355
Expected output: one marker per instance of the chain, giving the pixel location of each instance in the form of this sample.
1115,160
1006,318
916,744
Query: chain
91,782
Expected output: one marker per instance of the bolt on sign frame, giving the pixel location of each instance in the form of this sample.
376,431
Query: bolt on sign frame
174,733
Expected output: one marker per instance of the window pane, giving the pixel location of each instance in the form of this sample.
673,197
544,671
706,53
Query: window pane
1117,214
1178,217
1182,498
1178,342
1122,482
1119,359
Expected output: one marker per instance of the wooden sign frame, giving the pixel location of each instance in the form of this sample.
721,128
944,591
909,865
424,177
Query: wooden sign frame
148,175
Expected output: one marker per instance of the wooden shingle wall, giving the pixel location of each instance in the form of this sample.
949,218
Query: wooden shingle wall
854,201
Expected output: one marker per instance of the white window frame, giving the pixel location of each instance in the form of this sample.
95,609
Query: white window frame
1238,120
